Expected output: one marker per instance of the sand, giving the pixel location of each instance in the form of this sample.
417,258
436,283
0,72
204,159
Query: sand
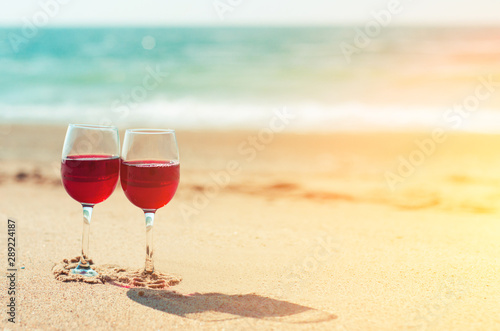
302,233
115,275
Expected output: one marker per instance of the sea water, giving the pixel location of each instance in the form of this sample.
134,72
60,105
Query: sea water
236,77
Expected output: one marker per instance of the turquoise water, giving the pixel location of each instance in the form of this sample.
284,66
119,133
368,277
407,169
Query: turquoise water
227,77
94,65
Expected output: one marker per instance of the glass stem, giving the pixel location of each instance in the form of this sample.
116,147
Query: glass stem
150,218
87,215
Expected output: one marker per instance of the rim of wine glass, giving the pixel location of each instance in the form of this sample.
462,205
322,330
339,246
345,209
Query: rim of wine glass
94,126
150,131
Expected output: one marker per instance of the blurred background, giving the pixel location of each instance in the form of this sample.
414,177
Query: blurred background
362,65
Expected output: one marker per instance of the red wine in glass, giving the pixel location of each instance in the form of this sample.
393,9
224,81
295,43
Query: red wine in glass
90,169
150,184
90,179
149,174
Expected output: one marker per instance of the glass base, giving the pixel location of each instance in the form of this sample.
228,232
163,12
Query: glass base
86,271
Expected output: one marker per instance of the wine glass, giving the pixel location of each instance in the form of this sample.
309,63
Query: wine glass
149,174
89,170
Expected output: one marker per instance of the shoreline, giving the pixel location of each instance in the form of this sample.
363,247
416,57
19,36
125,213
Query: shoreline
307,118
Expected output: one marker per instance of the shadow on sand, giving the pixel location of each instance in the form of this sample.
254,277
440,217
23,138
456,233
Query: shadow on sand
218,307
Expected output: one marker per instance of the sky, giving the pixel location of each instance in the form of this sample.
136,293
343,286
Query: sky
244,12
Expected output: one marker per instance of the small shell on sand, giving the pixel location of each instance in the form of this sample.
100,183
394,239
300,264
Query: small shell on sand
115,275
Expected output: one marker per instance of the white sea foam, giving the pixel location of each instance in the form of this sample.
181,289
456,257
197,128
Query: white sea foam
190,115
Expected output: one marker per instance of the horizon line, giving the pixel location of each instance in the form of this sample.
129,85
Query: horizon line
267,25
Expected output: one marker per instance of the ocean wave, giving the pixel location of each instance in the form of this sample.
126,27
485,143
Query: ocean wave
193,115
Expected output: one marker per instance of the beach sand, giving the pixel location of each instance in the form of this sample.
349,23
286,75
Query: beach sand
304,234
